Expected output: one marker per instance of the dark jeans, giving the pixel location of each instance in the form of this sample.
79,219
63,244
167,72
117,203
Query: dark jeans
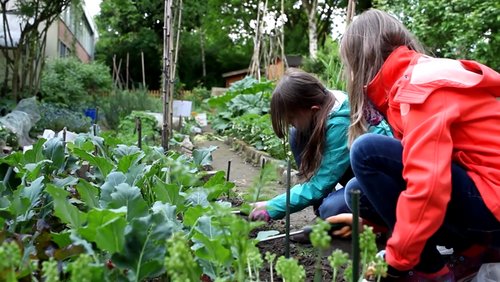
377,164
334,203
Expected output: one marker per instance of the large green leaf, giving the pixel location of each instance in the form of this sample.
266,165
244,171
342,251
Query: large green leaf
32,192
131,198
208,245
35,154
88,193
203,156
34,170
127,156
198,197
106,228
192,215
53,150
104,165
63,209
217,185
112,180
168,193
144,251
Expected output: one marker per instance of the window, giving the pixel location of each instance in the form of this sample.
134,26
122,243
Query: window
64,51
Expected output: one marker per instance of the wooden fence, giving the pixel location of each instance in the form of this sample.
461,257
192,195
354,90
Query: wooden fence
155,93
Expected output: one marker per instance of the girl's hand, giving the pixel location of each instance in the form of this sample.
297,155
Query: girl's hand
259,212
343,218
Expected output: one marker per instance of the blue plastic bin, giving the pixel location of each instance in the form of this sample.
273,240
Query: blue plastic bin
91,113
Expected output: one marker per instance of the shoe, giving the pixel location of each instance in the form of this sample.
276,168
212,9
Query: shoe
444,251
415,276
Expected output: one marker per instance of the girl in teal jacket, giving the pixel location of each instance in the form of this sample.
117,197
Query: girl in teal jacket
320,121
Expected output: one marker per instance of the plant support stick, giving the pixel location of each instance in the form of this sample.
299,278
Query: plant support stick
355,234
287,212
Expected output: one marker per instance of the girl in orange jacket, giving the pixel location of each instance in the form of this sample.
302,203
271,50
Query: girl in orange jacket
438,182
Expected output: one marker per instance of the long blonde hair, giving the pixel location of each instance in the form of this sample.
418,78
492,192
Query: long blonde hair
365,46
298,90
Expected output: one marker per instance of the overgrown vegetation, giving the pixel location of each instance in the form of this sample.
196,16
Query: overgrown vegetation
467,29
242,112
69,83
120,103
95,210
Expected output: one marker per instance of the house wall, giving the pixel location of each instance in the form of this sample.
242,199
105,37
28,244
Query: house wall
51,50
275,71
67,40
234,78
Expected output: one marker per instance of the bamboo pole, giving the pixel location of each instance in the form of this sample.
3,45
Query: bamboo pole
351,9
166,127
176,48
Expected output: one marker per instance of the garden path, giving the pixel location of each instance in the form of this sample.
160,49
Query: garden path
243,173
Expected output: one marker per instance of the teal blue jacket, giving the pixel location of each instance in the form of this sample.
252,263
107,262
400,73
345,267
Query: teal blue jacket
334,163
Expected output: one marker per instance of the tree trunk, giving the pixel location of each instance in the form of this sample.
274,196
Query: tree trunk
202,49
310,7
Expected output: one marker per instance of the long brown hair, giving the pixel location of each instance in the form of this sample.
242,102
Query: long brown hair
365,46
298,90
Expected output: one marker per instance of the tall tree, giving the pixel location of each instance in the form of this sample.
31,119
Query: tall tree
24,28
467,29
131,27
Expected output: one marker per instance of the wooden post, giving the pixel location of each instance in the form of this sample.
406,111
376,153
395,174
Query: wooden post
126,72
138,126
143,71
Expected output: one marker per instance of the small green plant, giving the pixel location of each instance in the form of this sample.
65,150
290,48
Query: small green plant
337,259
179,262
290,270
49,270
320,239
373,266
270,258
10,259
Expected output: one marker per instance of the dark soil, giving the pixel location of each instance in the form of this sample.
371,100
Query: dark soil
303,252
243,173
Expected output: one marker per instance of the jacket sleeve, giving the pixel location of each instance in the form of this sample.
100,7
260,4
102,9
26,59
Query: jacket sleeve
333,165
427,153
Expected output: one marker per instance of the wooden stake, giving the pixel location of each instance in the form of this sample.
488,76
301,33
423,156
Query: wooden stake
143,71
126,72
138,126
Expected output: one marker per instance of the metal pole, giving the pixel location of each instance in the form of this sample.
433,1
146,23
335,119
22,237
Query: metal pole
287,211
355,233
228,170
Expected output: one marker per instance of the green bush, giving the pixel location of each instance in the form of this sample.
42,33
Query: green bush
327,65
56,118
197,96
70,83
127,132
121,103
